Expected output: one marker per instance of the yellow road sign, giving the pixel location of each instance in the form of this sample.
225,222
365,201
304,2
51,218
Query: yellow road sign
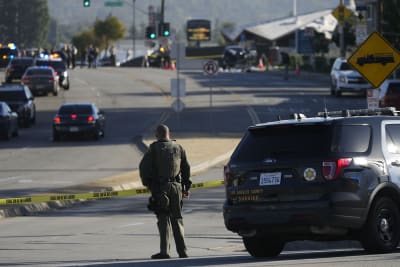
375,59
342,13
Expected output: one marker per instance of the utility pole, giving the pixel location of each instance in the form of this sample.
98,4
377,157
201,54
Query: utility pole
133,30
341,31
379,10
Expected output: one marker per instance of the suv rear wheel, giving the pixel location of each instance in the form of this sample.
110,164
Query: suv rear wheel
381,233
263,246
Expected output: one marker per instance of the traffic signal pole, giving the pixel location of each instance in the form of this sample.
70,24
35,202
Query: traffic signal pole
162,11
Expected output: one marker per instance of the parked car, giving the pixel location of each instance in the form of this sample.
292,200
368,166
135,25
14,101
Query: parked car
59,67
78,119
335,176
8,121
21,101
235,56
389,94
7,52
41,80
345,79
17,67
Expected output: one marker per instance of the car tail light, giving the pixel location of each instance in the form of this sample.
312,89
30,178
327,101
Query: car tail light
331,168
227,176
57,120
74,116
90,119
51,79
25,79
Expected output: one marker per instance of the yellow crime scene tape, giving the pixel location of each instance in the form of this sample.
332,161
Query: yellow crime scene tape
91,195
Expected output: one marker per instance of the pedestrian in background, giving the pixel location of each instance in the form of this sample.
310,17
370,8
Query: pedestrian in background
165,171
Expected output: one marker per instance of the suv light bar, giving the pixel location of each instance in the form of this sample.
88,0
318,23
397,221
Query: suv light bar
389,111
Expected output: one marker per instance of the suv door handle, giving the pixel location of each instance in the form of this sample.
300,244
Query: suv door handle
396,163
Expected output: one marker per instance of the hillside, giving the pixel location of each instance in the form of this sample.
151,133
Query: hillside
240,12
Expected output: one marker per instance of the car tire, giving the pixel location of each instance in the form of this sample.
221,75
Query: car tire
66,87
262,247
381,233
16,132
27,122
56,136
96,135
8,134
332,88
338,93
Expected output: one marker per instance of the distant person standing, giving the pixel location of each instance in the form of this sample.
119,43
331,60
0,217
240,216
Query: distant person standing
164,169
83,57
90,55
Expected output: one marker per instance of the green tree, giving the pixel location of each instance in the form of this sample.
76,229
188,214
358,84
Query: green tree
109,30
25,23
84,39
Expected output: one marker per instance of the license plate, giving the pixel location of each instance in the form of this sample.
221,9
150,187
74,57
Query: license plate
270,178
73,129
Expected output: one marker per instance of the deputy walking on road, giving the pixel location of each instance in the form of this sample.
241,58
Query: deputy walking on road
164,169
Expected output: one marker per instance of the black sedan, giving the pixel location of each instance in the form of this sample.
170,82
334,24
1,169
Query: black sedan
17,67
20,99
78,119
8,121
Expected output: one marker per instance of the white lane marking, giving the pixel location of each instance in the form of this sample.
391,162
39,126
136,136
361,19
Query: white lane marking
6,179
25,181
130,225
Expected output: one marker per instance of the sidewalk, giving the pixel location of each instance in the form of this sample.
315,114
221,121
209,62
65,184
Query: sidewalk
203,152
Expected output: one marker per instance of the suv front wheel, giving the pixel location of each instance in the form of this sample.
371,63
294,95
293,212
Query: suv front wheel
381,233
263,246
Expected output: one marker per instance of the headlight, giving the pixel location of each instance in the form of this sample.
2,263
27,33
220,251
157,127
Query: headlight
342,79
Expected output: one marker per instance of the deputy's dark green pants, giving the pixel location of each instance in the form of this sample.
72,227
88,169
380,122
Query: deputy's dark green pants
172,219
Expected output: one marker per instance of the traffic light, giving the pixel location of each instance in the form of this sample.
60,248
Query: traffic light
86,3
151,32
163,29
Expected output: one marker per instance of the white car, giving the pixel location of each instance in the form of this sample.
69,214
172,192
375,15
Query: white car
345,79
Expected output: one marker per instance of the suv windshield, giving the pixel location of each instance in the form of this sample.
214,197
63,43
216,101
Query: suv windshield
12,95
345,66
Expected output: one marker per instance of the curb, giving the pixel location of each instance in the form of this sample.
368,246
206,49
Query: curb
123,181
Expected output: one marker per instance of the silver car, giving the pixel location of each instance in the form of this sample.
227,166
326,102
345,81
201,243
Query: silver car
41,80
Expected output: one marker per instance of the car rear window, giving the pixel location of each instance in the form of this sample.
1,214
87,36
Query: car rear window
79,109
39,72
17,61
318,140
351,139
54,64
393,138
284,141
13,95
